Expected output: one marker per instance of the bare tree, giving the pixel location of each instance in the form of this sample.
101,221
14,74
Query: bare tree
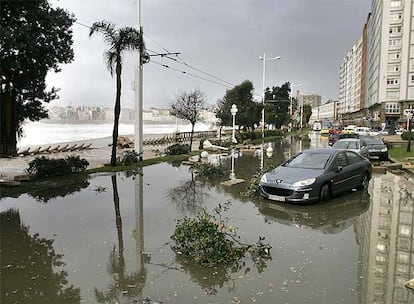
188,106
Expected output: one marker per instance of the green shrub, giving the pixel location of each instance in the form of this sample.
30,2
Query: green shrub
45,167
406,135
129,158
208,240
178,149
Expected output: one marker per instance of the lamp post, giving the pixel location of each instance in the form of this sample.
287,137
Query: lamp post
301,112
263,87
233,112
291,103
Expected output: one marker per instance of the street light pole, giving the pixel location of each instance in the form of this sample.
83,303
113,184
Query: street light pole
233,112
301,113
263,87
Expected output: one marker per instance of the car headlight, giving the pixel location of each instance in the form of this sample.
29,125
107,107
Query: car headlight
263,179
305,182
384,150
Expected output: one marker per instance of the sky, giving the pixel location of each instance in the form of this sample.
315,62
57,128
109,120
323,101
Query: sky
222,38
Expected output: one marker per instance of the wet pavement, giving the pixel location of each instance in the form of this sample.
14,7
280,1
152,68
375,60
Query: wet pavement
107,240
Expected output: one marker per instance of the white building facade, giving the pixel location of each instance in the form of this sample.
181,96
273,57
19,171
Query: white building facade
383,62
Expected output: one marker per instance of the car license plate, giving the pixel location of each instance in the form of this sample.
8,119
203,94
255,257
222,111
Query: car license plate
277,198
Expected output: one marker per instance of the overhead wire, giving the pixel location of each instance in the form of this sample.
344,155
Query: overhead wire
180,61
190,74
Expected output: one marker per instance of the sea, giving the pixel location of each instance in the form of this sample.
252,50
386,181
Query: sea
41,133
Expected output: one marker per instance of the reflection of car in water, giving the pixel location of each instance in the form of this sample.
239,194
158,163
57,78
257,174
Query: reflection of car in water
331,217
316,174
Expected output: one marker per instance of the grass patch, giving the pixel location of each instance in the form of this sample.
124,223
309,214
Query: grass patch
400,154
45,184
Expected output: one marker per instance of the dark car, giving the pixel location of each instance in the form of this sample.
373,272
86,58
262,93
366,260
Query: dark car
316,174
376,148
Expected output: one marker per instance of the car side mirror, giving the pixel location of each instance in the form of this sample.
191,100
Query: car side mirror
339,169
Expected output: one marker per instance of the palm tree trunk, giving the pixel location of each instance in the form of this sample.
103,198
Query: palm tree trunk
118,220
117,111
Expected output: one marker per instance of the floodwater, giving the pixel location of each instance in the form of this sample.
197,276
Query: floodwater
107,240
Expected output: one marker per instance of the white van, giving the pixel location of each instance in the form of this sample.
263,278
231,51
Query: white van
365,131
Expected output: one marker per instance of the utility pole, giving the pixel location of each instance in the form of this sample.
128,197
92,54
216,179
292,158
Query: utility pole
138,88
142,58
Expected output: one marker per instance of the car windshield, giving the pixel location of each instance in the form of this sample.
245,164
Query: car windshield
345,145
309,161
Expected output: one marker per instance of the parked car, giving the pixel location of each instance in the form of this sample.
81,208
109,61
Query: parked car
316,174
335,130
376,148
354,144
364,131
333,138
350,129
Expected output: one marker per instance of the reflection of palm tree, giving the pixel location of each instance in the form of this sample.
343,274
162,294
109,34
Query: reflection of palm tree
122,284
28,266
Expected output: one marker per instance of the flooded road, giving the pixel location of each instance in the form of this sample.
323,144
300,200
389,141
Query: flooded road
107,240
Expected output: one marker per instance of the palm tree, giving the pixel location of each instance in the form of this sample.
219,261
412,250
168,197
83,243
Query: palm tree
118,41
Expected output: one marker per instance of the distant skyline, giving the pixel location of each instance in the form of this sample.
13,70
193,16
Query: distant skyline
223,38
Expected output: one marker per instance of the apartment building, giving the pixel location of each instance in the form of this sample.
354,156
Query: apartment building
377,75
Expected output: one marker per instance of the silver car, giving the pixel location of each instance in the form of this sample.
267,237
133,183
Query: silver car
354,144
316,174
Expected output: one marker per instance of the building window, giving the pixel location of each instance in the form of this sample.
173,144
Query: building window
397,16
395,29
396,3
392,81
392,108
394,42
393,68
412,79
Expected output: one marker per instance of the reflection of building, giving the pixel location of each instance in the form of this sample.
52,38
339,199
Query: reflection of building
385,235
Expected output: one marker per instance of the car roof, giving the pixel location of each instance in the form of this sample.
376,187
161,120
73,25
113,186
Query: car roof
348,139
321,151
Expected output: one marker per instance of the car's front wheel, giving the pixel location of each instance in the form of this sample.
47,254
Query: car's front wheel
325,193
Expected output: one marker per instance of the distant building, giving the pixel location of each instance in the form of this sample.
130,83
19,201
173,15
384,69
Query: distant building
325,112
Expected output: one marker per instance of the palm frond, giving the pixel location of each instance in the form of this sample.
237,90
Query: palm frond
106,28
129,39
110,60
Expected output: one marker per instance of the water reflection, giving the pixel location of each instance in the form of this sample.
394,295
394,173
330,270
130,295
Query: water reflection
124,285
31,270
386,242
60,189
189,196
331,217
210,279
